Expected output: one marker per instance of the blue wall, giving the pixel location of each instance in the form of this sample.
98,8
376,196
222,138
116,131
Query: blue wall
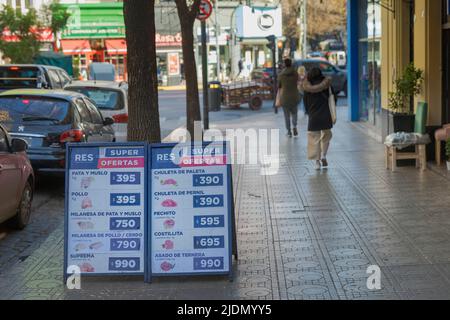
353,54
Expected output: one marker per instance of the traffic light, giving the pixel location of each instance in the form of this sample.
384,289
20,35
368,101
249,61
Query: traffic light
271,44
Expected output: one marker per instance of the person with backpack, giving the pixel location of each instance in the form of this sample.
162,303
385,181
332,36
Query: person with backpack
317,96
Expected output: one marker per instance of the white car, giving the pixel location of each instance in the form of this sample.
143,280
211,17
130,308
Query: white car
111,99
338,58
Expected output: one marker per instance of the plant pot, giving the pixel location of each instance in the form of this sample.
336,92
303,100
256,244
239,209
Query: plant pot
400,122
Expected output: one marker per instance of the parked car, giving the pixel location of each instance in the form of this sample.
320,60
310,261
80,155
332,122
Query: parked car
112,100
317,55
16,180
338,58
102,71
23,76
338,76
48,119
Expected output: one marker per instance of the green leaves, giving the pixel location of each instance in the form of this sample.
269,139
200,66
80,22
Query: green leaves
407,87
23,43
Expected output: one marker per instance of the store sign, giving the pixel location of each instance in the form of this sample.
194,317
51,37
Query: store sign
258,22
168,40
173,59
94,32
105,209
190,213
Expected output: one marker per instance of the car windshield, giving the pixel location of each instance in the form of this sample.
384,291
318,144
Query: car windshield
19,77
30,108
106,99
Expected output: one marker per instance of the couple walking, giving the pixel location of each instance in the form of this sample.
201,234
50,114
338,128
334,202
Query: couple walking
315,90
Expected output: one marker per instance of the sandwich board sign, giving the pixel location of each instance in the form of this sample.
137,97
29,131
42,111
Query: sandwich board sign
190,214
105,208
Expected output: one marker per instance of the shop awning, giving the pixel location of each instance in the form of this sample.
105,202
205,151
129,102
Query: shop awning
116,46
76,46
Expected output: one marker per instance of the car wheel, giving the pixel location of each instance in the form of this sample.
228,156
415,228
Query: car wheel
24,210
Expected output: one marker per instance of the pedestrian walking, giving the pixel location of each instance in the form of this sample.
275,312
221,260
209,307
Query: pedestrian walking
320,121
301,77
289,97
240,67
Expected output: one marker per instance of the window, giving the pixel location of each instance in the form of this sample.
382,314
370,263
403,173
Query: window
95,115
15,77
56,82
31,108
3,142
105,99
325,67
65,79
82,109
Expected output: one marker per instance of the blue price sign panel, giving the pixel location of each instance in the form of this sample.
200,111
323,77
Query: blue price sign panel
125,199
190,215
209,242
125,178
204,180
210,263
129,244
209,201
124,224
124,264
209,221
105,222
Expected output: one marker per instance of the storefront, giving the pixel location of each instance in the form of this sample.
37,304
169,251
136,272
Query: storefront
253,25
96,33
383,38
446,61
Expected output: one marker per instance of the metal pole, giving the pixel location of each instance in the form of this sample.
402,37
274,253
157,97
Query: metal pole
205,78
305,27
216,10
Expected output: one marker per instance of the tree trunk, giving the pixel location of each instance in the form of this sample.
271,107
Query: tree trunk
190,69
143,111
187,15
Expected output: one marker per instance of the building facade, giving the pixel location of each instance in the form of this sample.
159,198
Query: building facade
383,38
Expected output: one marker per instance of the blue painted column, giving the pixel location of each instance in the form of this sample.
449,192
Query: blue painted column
353,56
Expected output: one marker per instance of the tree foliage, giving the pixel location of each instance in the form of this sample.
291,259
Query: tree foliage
55,16
325,17
23,44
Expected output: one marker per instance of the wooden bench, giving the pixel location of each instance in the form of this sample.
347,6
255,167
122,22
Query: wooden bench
441,135
420,154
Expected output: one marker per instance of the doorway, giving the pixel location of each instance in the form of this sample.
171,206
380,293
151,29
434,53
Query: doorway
446,76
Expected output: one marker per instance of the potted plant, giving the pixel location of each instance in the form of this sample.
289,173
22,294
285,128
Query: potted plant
447,153
407,86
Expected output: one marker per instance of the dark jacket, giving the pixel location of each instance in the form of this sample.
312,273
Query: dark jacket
316,104
290,96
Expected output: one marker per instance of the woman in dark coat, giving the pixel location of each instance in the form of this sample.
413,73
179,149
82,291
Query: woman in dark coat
290,97
316,88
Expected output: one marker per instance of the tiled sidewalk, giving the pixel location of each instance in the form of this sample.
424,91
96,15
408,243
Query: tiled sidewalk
302,234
